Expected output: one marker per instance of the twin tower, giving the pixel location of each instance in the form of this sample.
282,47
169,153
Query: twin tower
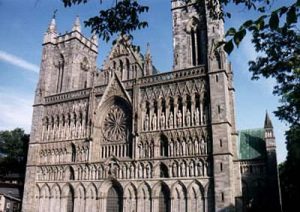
128,138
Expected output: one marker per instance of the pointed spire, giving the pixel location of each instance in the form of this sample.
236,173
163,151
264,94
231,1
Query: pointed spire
148,67
51,33
52,25
148,49
76,26
268,122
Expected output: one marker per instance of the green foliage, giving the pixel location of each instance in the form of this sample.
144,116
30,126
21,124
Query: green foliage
13,148
280,60
289,171
122,18
273,19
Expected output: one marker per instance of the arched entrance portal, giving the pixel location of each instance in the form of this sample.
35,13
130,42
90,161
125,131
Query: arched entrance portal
114,200
164,199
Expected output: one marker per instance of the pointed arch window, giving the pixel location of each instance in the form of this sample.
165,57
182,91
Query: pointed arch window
70,201
61,66
114,200
196,41
164,146
128,68
164,172
73,153
121,69
164,199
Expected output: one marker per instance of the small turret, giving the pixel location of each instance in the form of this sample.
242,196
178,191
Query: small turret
76,26
51,34
268,122
272,170
148,67
268,127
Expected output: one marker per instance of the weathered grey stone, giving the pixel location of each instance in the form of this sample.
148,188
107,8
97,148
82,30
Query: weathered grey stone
125,138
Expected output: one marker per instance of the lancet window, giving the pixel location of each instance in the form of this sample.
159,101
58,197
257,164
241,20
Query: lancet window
61,66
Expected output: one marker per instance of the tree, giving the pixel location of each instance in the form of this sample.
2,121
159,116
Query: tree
275,35
13,148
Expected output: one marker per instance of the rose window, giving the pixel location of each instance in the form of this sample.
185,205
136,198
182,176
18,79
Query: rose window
115,124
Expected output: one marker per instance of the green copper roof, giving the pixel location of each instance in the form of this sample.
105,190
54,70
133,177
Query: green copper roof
251,144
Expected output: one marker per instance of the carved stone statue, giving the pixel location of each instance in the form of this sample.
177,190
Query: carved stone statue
196,117
154,121
179,119
188,118
146,123
171,120
162,120
192,169
199,169
202,147
148,171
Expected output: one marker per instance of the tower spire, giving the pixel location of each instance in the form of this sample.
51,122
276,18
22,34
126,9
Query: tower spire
52,25
51,32
268,122
148,67
148,49
76,26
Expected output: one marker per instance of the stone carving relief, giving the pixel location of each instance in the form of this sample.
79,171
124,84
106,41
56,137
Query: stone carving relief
178,143
66,121
56,153
175,106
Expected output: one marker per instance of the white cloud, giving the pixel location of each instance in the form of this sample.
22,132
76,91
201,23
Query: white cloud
15,111
17,61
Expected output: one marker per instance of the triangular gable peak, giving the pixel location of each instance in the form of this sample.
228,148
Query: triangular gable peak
115,88
124,60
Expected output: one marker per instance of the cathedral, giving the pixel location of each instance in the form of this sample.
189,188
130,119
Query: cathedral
127,138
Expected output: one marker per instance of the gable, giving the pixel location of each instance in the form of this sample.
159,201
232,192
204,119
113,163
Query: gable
115,88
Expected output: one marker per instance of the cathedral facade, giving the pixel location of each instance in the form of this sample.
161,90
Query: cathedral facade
128,138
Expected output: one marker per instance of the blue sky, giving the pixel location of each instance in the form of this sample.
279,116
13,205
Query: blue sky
23,24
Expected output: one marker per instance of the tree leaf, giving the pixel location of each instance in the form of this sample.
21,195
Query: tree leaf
291,16
230,32
283,10
260,24
274,21
228,47
247,23
239,36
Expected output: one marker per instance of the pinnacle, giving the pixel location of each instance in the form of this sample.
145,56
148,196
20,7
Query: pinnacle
268,122
76,26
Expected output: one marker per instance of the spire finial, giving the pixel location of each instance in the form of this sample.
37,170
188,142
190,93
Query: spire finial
54,14
268,122
52,25
148,48
76,26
